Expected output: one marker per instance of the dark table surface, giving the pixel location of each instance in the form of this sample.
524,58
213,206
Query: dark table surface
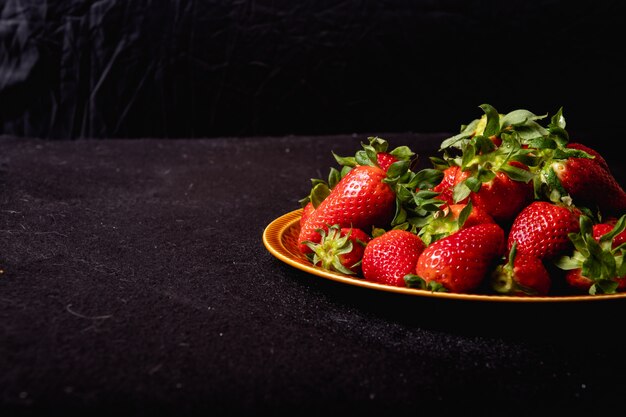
135,282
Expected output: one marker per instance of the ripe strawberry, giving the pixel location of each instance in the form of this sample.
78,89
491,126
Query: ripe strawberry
599,159
391,256
522,275
502,197
306,212
589,184
461,261
360,199
541,229
597,263
384,160
340,249
451,176
601,229
451,218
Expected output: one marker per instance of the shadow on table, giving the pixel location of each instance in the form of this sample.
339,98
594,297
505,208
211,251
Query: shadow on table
581,322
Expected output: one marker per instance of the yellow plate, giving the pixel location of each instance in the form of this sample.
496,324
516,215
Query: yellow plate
280,238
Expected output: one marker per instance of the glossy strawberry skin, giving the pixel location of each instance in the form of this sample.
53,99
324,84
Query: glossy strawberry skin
461,261
502,197
306,212
589,184
451,176
360,199
384,160
389,257
602,229
542,229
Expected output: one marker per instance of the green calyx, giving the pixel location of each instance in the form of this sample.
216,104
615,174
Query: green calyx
440,223
369,154
597,260
414,200
327,253
503,277
415,281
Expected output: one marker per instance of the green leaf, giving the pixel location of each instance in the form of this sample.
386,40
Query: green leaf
493,120
459,139
518,117
398,168
460,191
346,161
427,178
364,157
464,214
334,176
377,144
319,194
403,153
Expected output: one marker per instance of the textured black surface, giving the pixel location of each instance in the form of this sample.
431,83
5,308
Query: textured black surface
182,68
136,283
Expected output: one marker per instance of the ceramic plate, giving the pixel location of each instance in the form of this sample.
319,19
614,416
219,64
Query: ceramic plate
281,240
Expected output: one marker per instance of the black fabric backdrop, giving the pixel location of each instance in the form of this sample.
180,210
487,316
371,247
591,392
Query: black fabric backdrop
176,68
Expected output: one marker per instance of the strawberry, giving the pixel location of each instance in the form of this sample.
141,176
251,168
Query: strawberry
502,197
339,249
451,218
599,159
385,159
460,262
580,174
390,256
601,229
588,184
306,212
376,153
361,200
541,229
522,275
597,263
451,176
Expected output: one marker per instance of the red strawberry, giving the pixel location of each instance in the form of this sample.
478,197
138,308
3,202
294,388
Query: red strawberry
601,229
461,261
599,159
451,218
340,249
588,183
306,212
522,275
385,159
541,229
360,199
391,256
502,197
451,176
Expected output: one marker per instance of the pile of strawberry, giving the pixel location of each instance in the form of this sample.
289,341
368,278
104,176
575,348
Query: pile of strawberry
510,206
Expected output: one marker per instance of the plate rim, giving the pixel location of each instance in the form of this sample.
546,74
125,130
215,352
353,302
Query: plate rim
273,242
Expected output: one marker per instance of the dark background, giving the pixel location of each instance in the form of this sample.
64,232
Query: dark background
173,68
